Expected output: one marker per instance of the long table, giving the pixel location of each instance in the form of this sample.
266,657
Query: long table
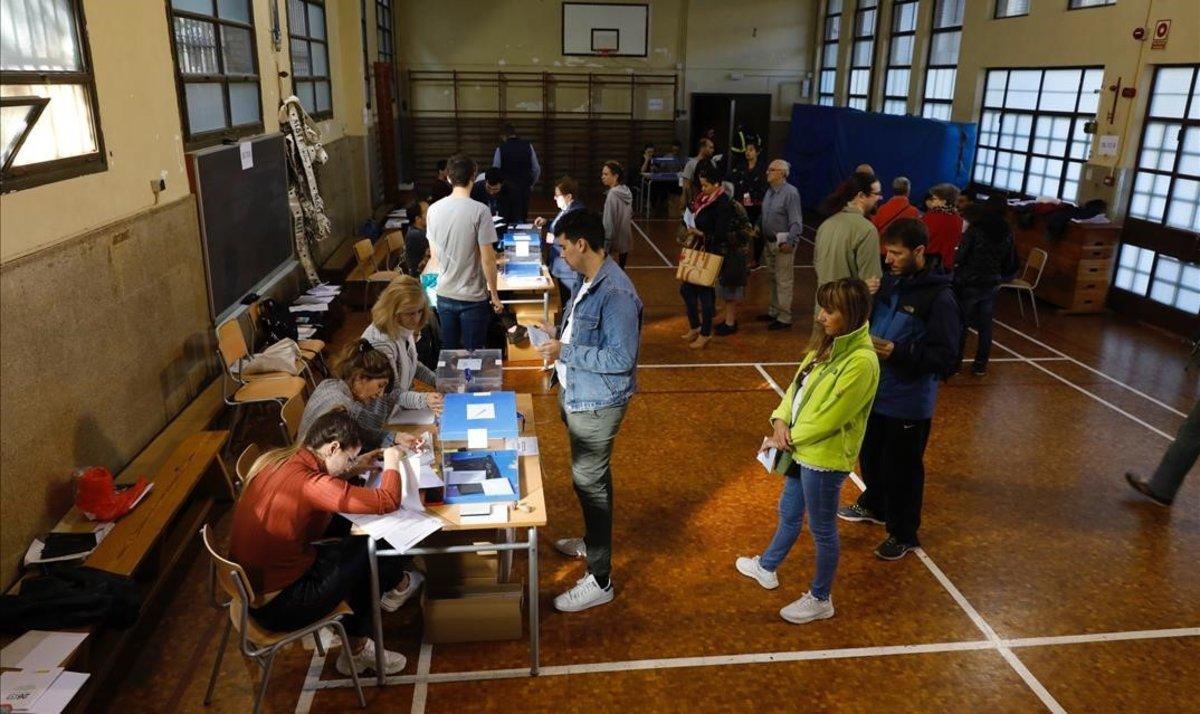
529,513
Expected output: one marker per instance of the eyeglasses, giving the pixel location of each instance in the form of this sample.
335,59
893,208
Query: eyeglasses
411,313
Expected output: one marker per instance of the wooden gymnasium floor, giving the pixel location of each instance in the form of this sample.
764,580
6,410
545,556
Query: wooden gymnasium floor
1044,582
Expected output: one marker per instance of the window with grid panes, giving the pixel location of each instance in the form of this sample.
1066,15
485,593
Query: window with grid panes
1031,129
310,57
216,66
900,55
862,54
1011,8
1166,280
1080,4
942,67
46,63
827,84
1166,184
383,27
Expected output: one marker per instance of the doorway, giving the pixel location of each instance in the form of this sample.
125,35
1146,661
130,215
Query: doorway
723,114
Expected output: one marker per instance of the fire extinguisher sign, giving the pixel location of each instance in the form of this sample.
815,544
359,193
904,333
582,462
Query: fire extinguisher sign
1162,29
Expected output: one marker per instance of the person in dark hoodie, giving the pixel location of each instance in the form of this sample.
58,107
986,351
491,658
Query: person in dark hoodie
565,190
492,192
618,212
915,326
983,258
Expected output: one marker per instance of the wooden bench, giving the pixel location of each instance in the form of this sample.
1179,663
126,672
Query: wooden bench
149,543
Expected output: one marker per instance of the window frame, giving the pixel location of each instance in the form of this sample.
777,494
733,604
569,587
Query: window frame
17,178
822,68
888,66
934,31
1034,114
315,79
855,39
383,8
1185,123
1071,5
212,137
996,11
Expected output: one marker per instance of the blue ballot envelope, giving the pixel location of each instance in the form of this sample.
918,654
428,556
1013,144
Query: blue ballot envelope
514,269
481,477
511,238
494,412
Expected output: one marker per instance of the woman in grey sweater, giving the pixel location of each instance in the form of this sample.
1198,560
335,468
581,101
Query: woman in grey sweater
360,387
618,212
400,313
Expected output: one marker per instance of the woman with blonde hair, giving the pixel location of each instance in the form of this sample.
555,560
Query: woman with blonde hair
818,429
397,318
281,523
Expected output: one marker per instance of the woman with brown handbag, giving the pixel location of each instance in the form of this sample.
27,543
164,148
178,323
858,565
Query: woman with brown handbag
712,214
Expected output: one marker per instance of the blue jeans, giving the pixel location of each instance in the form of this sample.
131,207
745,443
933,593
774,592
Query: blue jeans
820,492
464,324
978,305
701,305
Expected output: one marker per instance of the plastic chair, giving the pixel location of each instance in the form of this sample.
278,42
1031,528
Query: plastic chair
292,412
249,455
259,643
1034,265
395,250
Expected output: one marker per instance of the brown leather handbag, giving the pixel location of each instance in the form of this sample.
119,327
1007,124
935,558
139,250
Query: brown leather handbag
697,266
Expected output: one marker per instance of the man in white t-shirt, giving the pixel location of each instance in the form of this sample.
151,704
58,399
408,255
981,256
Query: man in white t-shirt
461,235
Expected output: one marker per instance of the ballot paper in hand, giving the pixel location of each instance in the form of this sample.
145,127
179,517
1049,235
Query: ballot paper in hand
537,336
768,455
689,218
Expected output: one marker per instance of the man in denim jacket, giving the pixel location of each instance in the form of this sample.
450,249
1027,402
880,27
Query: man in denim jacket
597,357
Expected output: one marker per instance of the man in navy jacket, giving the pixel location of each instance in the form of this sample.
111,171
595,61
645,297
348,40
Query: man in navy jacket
915,326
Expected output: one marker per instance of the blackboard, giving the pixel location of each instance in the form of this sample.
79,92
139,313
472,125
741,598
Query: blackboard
245,221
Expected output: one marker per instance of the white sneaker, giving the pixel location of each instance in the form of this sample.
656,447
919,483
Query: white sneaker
393,662
751,569
395,598
571,547
807,609
586,593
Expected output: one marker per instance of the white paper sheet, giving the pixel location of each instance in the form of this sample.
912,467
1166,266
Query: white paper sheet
689,218
402,529
523,445
324,289
526,283
60,693
481,411
524,226
497,487
781,238
469,363
537,337
767,456
477,438
40,649
522,249
308,308
323,299
410,487
455,478
21,689
246,152
496,513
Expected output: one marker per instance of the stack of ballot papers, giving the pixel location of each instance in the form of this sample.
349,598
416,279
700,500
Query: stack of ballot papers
37,683
404,528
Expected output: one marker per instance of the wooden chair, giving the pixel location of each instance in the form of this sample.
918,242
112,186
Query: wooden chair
277,387
395,250
257,642
369,257
292,413
247,458
1031,275
310,350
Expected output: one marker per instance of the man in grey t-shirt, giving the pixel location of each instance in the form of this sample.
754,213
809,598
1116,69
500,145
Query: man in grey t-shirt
688,174
461,235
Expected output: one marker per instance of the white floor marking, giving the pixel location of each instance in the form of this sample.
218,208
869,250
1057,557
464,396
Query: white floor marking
1081,390
421,690
311,679
1090,368
530,367
770,381
1104,637
665,259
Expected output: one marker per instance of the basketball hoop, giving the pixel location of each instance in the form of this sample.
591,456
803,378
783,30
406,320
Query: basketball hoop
605,53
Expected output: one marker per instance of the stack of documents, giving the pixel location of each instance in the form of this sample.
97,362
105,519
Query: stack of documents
38,683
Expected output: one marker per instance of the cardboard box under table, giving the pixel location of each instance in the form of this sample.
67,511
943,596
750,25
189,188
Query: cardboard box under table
528,513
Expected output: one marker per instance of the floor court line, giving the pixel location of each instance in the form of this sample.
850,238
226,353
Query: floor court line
421,690
312,677
1090,368
530,367
665,260
1104,637
1081,390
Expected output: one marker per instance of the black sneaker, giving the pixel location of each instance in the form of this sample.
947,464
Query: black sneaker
777,325
1143,487
979,371
725,330
856,513
765,318
517,335
892,549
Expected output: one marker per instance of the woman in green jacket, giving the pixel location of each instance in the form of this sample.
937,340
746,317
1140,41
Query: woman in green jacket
818,429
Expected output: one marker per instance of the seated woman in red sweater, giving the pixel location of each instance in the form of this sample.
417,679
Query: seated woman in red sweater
944,224
288,504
